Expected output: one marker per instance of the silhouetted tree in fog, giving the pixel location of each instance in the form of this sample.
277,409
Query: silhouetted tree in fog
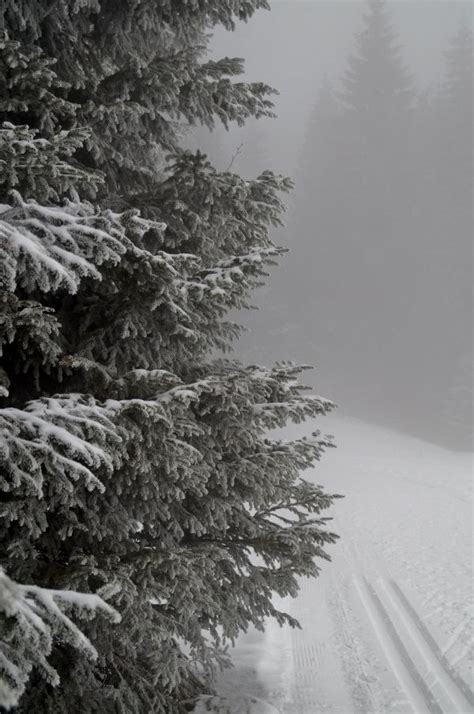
375,131
353,165
376,84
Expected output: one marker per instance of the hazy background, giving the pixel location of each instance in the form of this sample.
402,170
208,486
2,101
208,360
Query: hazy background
376,130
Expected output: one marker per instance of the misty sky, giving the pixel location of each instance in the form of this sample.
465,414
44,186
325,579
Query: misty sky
300,41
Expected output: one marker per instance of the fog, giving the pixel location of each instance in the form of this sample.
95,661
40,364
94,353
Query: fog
374,124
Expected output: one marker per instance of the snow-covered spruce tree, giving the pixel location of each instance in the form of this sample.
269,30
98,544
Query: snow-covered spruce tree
133,466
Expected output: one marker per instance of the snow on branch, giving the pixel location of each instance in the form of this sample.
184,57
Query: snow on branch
50,247
59,441
31,618
43,166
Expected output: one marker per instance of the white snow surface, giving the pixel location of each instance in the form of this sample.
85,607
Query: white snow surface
388,626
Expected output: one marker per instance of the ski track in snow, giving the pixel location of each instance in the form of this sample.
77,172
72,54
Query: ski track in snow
388,626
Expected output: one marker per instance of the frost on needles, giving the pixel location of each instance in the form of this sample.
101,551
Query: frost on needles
139,480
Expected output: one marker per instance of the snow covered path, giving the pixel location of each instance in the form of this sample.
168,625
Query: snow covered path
389,625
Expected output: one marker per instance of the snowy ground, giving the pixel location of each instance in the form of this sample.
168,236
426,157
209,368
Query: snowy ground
388,627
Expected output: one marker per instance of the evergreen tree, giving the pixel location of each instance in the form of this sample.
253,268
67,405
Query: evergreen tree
376,85
376,132
31,619
135,468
